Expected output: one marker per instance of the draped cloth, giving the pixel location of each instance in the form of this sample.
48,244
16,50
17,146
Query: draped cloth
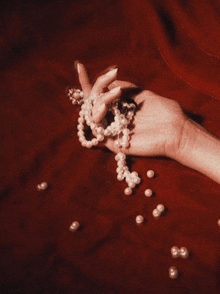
170,47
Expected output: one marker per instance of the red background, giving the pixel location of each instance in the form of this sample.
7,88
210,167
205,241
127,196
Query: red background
170,47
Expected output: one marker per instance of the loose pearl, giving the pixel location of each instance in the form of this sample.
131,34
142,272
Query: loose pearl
148,192
218,222
42,186
160,207
74,226
184,253
128,191
139,219
150,173
156,213
175,252
173,273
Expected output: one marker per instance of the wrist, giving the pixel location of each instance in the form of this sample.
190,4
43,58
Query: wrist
187,141
199,150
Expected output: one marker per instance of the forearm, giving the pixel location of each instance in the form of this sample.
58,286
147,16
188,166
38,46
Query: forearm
200,150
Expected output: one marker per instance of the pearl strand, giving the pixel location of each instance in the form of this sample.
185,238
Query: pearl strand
118,127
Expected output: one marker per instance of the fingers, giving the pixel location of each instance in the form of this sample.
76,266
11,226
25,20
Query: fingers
101,108
83,79
122,84
103,81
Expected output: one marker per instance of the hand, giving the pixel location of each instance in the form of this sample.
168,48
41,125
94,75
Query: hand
158,124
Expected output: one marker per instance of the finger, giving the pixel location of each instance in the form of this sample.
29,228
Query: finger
122,84
103,81
83,79
110,96
100,109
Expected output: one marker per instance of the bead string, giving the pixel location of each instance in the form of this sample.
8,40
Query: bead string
123,114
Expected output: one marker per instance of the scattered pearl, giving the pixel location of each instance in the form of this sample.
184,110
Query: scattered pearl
74,226
173,273
150,173
218,222
42,186
139,219
128,191
184,253
148,192
156,213
175,252
161,208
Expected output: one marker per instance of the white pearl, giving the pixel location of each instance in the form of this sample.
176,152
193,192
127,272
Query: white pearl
42,186
121,156
218,222
156,213
184,253
89,144
139,219
125,144
121,163
80,127
128,191
173,273
126,173
160,207
80,120
74,226
150,173
137,181
100,130
175,252
100,137
93,126
131,185
148,192
120,177
94,142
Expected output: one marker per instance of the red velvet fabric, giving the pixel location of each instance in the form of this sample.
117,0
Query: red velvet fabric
170,47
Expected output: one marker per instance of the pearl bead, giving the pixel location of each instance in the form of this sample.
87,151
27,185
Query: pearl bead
148,192
139,219
160,207
94,142
218,222
100,137
173,273
175,252
74,226
137,181
184,253
128,191
156,213
120,177
150,173
42,186
131,185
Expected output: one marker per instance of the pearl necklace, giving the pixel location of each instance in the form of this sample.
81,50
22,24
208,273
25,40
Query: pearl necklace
123,114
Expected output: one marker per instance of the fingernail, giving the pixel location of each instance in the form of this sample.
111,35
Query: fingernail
112,72
77,66
115,90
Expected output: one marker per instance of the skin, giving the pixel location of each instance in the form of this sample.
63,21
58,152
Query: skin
160,128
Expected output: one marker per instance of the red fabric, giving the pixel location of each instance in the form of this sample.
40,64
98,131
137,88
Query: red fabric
170,47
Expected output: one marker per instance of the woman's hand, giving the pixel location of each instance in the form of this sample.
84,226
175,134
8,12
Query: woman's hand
159,128
158,123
